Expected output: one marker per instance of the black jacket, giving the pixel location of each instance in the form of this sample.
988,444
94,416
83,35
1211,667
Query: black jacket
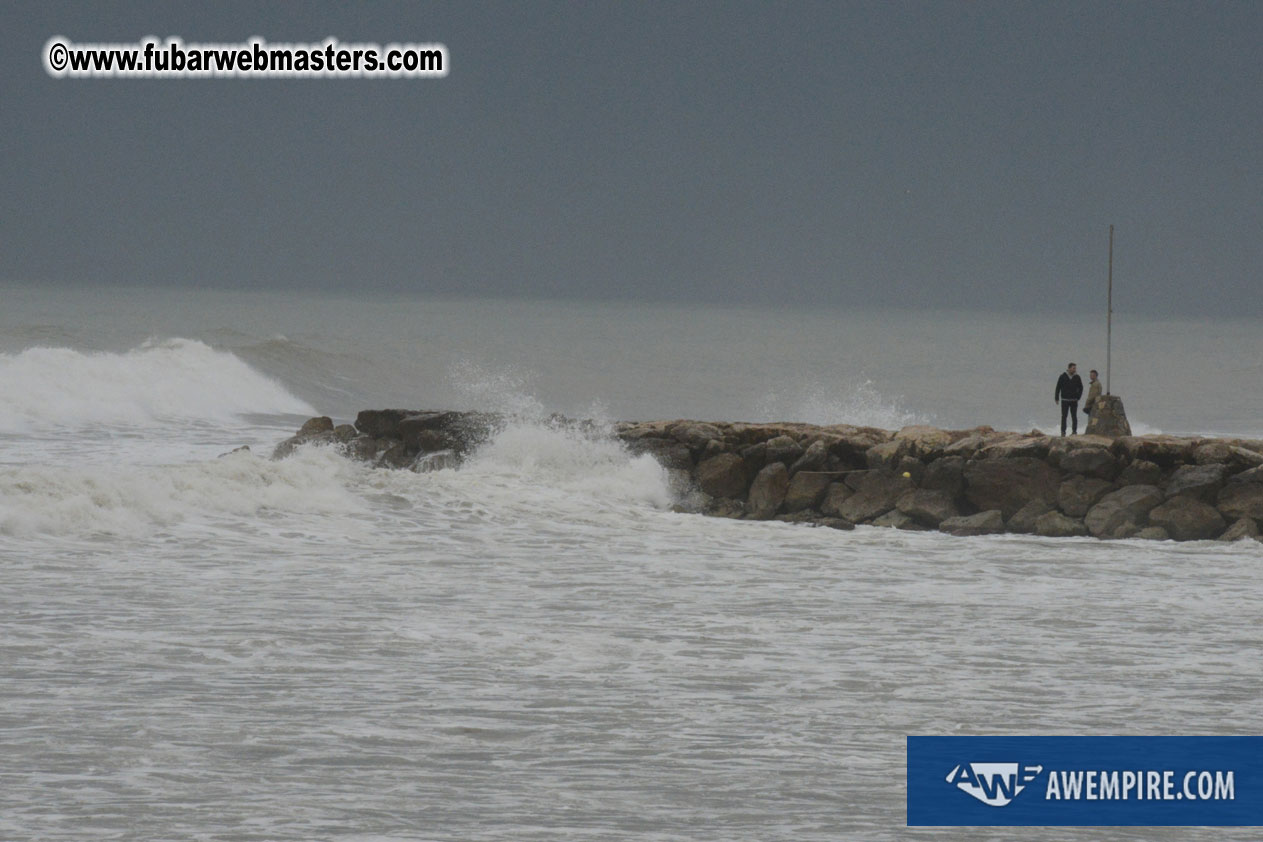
1068,388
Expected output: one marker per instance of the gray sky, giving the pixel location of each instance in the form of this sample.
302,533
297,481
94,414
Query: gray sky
969,154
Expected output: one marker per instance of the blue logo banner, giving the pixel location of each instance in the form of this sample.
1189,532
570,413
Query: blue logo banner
1077,781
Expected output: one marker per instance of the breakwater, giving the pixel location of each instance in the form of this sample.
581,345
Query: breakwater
965,482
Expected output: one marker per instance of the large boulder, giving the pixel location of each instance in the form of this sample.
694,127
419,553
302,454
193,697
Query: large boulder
1079,494
315,426
695,434
1187,518
1023,521
382,423
1056,525
723,475
946,474
984,523
1200,481
834,497
767,492
1096,462
783,449
806,490
1140,472
1241,499
1121,513
1235,457
1025,447
1243,528
1009,484
1108,418
814,458
927,507
886,456
898,520
876,493
924,442
1163,451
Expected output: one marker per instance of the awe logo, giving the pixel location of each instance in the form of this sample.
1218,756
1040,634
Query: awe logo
994,784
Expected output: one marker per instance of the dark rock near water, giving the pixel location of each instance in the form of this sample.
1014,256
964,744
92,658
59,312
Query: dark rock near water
834,497
1121,513
1079,493
1201,482
1187,519
806,490
1095,462
1009,484
876,494
1241,499
315,426
984,523
723,476
767,492
927,507
1023,521
896,519
1140,472
1243,528
1054,524
946,474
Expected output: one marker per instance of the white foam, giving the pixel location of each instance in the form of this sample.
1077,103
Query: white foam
859,403
158,382
126,501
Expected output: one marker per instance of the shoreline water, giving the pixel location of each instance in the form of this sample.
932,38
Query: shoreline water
977,481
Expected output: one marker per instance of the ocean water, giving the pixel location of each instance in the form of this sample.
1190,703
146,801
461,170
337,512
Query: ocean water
205,646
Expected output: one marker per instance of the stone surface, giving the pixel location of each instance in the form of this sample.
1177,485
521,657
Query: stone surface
924,442
1188,519
1056,525
1243,528
313,426
381,423
1096,462
946,474
876,494
887,454
722,476
1200,481
1009,484
1121,513
814,458
806,490
695,434
1023,521
898,520
1108,418
1079,493
767,492
1140,472
1152,533
1164,451
984,523
1241,499
783,449
927,507
834,497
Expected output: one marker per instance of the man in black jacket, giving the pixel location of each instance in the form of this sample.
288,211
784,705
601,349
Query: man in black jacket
1069,390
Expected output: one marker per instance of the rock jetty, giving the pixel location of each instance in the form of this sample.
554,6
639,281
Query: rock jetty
966,482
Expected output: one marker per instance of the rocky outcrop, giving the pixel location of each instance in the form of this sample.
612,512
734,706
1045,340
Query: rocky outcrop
966,482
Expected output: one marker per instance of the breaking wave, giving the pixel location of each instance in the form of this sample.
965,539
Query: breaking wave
160,381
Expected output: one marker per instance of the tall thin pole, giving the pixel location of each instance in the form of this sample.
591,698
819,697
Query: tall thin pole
1109,313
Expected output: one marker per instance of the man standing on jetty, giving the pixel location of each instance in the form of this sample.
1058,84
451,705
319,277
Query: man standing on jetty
1069,390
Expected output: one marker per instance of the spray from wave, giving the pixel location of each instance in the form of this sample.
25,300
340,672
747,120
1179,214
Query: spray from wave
859,403
158,382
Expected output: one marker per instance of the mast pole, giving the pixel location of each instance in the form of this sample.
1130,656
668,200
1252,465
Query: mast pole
1109,312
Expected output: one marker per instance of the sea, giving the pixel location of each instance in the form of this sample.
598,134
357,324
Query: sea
198,642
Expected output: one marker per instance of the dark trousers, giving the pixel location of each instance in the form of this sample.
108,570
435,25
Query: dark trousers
1071,407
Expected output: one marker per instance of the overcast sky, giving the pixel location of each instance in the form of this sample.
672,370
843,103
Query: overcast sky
970,154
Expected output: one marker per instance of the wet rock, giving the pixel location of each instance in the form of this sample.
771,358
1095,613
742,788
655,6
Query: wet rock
1080,493
1141,472
886,456
1241,499
814,458
315,426
696,435
1095,462
927,507
783,449
876,494
834,497
381,423
727,507
1252,475
344,433
292,443
1151,533
1187,518
1056,525
361,448
924,442
946,474
1023,521
1009,484
806,490
1243,528
1163,451
722,476
984,523
767,492
837,523
397,456
438,461
1200,481
896,519
1121,513
1033,447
